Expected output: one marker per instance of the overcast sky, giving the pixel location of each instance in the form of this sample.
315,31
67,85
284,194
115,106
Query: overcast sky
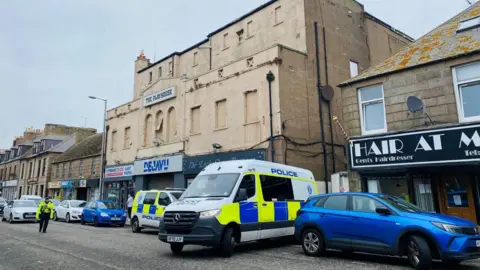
54,54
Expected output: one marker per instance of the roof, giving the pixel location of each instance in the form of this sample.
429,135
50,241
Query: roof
51,137
88,147
440,44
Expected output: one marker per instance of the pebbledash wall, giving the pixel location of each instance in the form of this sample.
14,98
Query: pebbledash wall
212,99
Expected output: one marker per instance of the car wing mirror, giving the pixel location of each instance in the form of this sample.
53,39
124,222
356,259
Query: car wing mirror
383,211
242,195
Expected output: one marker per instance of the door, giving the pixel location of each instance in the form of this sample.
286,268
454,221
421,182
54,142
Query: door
147,215
372,232
249,209
456,197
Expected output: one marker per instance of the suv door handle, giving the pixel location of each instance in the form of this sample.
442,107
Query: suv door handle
264,204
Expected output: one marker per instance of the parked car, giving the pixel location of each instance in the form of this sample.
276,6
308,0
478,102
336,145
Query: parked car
69,210
20,210
103,213
384,224
3,203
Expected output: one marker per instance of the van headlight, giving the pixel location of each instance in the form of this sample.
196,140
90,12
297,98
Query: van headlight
210,213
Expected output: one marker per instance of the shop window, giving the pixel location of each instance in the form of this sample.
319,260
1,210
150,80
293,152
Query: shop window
195,120
372,109
365,204
164,199
457,192
395,186
221,114
150,198
467,91
276,188
423,193
172,124
248,183
251,106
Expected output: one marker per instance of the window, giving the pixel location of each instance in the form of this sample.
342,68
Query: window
365,204
94,166
63,170
39,167
80,168
220,73
70,169
221,114
1,174
372,109
195,58
248,183
195,120
240,35
159,125
469,24
164,199
114,140
276,188
148,131
250,29
150,198
278,15
250,62
172,124
353,69
44,168
225,40
336,203
58,170
467,91
126,138
159,72
170,68
251,106
150,76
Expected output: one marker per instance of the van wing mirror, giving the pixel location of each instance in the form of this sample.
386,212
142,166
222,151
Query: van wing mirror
242,195
383,211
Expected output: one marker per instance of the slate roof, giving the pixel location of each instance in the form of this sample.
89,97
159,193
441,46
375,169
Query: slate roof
440,44
51,137
88,147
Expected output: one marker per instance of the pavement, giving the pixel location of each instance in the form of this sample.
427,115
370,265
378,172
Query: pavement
73,246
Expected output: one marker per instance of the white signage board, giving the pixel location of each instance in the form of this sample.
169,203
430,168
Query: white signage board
159,96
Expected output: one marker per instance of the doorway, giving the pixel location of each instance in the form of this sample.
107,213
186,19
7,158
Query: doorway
82,194
456,197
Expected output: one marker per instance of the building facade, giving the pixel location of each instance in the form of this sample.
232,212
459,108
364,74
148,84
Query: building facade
213,100
76,172
414,120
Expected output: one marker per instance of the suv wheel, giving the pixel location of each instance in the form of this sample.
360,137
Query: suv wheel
135,225
176,248
418,253
312,243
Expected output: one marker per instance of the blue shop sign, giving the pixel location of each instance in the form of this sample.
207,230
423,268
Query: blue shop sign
67,184
195,164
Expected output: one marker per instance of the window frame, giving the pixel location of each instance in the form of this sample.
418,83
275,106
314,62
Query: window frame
286,179
361,105
154,199
458,96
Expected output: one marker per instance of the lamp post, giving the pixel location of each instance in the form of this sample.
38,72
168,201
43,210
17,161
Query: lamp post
104,144
270,79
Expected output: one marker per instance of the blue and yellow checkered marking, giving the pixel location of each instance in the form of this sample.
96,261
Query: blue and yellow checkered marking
248,212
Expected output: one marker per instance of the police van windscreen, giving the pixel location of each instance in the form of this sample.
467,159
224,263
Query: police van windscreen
211,185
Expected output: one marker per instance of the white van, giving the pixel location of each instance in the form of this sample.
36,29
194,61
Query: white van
236,202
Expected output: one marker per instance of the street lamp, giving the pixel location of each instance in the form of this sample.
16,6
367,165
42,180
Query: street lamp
270,79
104,143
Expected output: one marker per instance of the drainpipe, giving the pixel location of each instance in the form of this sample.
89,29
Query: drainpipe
270,79
320,107
329,102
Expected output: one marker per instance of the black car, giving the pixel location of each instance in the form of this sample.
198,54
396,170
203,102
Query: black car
3,203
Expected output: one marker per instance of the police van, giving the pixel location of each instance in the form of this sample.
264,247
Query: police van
235,202
148,206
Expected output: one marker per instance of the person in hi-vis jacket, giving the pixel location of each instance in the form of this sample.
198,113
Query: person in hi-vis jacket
45,213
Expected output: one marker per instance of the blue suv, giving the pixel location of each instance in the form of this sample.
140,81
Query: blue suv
384,224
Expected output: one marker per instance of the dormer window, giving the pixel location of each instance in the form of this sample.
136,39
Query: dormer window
469,24
42,147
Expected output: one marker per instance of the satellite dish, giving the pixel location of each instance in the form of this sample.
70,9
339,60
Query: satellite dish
327,92
414,104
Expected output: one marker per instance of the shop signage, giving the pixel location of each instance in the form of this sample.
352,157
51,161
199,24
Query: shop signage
119,171
10,183
165,164
158,97
82,183
67,184
458,144
195,164
56,184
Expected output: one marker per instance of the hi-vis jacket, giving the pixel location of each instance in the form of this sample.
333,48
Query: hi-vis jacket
46,208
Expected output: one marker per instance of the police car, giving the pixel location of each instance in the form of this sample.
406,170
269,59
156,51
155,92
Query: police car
148,206
236,202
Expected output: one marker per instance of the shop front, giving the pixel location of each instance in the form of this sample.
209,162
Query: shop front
54,189
119,183
195,164
437,169
9,189
68,190
159,173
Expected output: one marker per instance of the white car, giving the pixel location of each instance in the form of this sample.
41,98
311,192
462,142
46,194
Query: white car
20,210
69,210
30,197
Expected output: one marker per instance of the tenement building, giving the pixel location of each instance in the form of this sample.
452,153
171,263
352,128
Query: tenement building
414,120
248,90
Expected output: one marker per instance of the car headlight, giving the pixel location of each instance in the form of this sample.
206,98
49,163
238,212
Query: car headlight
210,213
103,215
16,212
448,227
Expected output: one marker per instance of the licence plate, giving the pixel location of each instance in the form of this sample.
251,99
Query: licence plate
478,243
29,216
115,218
175,239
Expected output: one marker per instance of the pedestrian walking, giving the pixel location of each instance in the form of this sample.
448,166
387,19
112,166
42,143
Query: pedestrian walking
45,213
129,205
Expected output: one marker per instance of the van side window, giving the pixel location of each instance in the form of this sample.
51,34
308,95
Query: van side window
248,183
163,199
150,198
276,188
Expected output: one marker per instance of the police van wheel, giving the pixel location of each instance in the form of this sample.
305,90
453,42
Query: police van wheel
227,246
312,243
135,225
176,248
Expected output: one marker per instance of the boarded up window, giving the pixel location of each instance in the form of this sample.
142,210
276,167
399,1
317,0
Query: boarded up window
147,131
225,40
114,140
251,106
221,114
195,123
159,135
195,58
126,139
172,124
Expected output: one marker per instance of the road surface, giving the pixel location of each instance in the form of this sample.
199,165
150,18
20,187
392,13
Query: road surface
73,246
